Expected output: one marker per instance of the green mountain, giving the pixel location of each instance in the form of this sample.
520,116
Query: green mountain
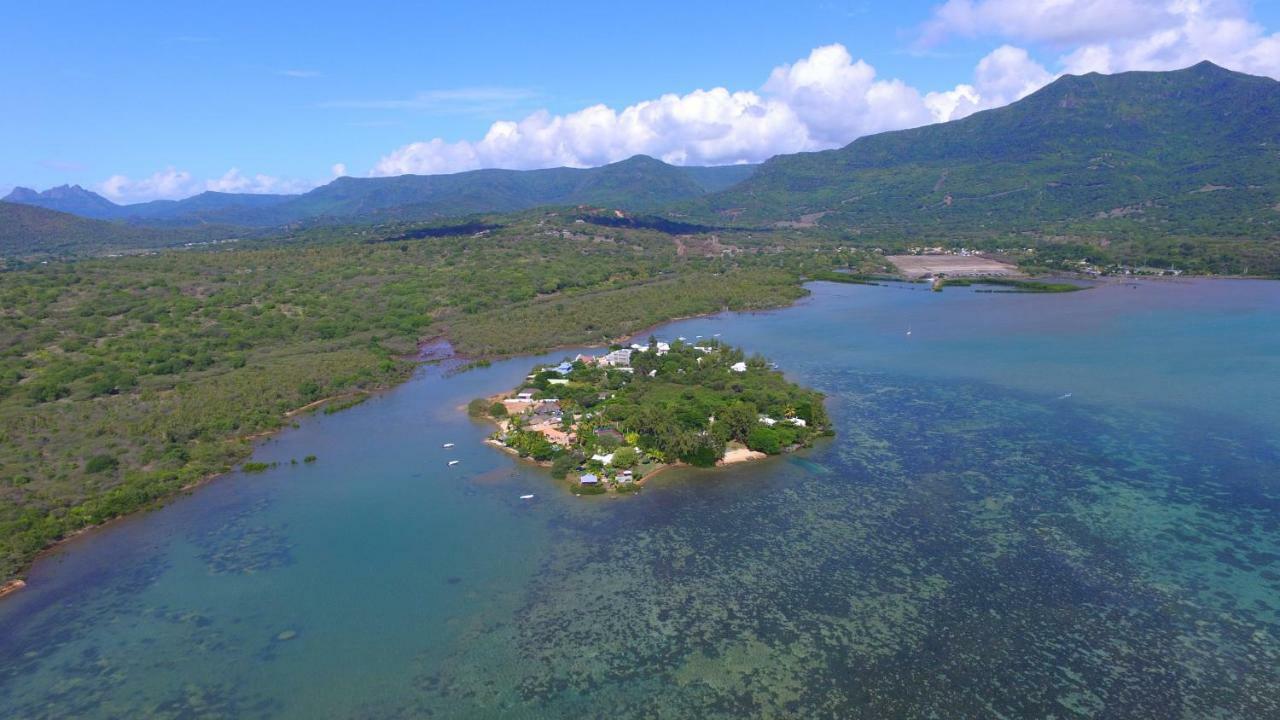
1194,152
30,231
640,183
207,207
69,199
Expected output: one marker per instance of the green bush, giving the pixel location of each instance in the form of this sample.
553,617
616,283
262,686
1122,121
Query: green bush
764,439
101,464
563,465
625,457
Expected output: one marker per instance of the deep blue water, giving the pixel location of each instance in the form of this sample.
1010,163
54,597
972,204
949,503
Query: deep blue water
1035,506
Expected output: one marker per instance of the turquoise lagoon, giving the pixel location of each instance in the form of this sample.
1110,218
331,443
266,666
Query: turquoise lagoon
1036,506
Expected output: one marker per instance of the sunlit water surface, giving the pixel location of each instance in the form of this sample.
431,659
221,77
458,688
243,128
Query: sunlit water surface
1035,506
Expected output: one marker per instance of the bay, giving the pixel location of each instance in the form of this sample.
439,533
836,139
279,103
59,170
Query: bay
1035,505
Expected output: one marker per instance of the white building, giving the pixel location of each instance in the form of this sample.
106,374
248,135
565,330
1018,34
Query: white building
738,367
617,358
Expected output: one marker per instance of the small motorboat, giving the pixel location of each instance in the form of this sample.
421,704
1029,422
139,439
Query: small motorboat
526,497
447,445
453,462
1064,397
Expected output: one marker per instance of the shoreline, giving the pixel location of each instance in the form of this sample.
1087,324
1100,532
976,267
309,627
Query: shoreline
18,582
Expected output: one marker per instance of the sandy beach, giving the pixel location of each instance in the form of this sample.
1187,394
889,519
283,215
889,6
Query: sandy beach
738,455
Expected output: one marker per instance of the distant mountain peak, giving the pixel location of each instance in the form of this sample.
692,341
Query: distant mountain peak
22,195
69,199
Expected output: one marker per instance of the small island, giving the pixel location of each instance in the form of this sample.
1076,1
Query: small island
607,423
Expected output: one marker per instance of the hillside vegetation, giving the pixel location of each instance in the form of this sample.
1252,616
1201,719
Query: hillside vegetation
29,232
1179,168
637,184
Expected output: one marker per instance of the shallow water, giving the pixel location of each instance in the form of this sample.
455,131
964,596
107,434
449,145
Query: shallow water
1036,505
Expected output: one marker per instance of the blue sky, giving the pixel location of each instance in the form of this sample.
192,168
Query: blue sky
146,99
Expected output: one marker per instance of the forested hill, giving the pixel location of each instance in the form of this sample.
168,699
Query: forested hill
640,183
1191,152
30,231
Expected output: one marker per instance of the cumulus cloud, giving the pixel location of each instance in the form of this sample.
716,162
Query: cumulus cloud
339,169
1006,74
1118,35
174,184
1203,30
167,184
824,100
234,182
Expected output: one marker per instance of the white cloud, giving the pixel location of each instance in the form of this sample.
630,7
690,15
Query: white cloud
1006,74
339,170
821,101
234,182
173,184
167,184
1204,30
1118,35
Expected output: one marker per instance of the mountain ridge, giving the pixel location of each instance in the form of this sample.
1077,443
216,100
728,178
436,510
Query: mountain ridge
1089,151
637,183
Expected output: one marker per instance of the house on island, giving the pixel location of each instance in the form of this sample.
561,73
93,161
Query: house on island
798,422
740,367
618,358
767,421
523,399
589,479
554,434
563,368
606,459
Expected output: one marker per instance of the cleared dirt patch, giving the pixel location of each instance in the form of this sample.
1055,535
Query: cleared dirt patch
917,266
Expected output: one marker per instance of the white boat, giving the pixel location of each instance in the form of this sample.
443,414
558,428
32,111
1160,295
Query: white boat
1064,397
453,462
908,332
447,445
526,497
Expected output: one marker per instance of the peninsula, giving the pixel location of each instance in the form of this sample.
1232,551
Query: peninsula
606,423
